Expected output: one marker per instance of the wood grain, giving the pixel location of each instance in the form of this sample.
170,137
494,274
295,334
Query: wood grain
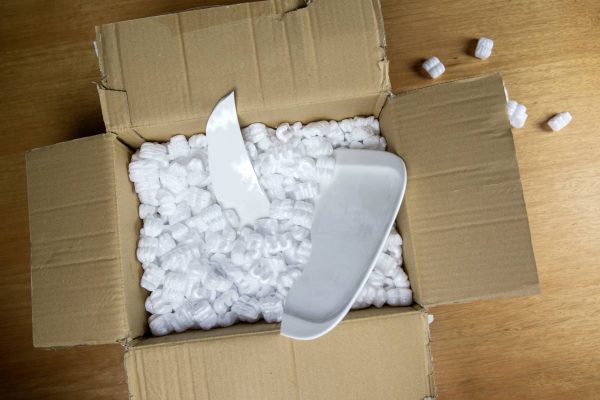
546,346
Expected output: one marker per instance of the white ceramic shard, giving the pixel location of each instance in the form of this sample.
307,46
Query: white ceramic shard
352,219
234,181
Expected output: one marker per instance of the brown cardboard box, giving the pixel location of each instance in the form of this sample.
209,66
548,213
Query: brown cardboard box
463,218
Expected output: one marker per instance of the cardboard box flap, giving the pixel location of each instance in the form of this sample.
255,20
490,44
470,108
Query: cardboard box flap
463,216
284,61
384,356
84,276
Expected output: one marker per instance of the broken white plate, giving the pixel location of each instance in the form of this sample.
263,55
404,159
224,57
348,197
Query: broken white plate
233,178
353,217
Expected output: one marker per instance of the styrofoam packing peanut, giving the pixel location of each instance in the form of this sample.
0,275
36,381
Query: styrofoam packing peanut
148,197
284,132
204,315
238,252
227,319
335,135
434,67
272,182
182,212
143,170
305,191
299,233
263,273
197,272
176,281
152,278
183,317
281,209
395,252
376,278
232,218
399,297
198,200
177,259
483,50
195,165
359,133
264,291
175,297
172,182
325,167
266,226
178,231
223,303
198,141
254,132
178,146
271,307
217,280
159,303
386,264
517,114
198,293
214,218
161,324
251,150
264,144
559,121
186,234
317,146
371,143
301,218
394,240
154,151
247,309
319,128
215,243
306,169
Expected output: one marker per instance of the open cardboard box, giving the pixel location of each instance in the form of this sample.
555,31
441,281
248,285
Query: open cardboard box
463,220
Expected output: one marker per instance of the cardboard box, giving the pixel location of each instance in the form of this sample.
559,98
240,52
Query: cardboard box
463,219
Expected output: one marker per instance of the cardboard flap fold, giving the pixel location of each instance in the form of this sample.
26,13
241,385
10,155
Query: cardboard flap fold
84,277
463,214
385,356
284,62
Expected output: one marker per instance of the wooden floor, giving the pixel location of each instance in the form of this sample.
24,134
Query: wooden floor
543,347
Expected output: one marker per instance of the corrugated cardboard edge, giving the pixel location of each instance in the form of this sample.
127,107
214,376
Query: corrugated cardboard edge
129,224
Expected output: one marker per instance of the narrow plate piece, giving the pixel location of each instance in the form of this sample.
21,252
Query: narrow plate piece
353,217
233,178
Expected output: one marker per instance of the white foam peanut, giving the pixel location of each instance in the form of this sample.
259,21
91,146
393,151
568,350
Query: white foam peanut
399,297
434,67
559,121
161,324
483,50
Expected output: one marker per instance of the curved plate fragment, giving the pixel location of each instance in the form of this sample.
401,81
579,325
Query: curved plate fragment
353,217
